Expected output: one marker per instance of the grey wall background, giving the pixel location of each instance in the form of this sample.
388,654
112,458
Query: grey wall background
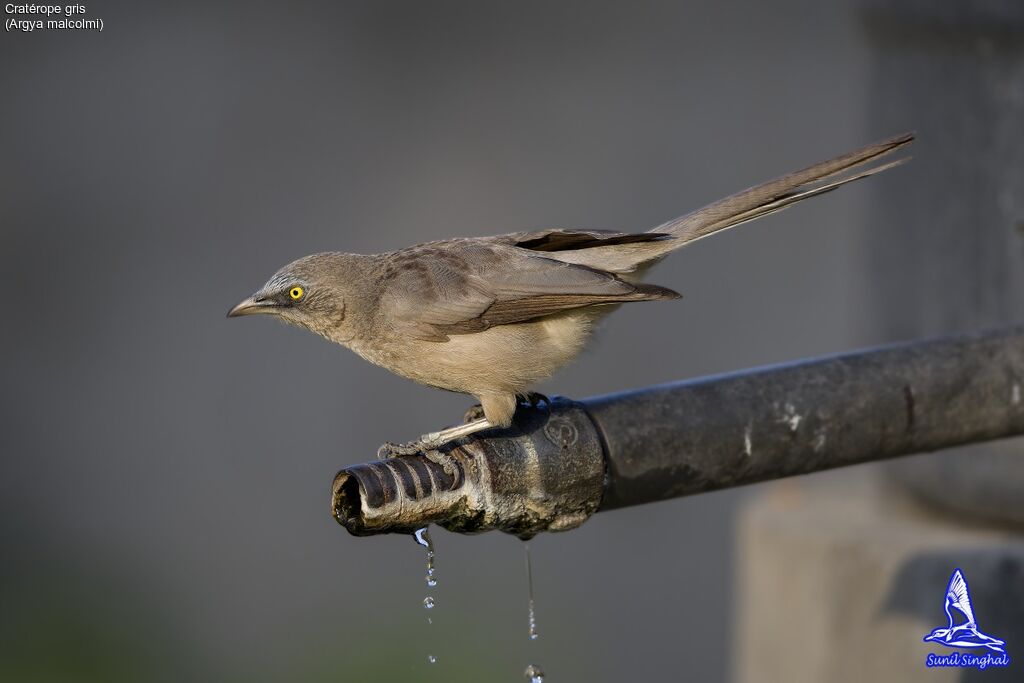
165,472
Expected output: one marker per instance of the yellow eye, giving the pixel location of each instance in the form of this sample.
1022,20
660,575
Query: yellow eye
296,293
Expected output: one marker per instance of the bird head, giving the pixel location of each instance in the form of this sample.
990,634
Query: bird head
938,634
315,292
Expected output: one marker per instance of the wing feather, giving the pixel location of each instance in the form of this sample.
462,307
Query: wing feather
463,286
557,239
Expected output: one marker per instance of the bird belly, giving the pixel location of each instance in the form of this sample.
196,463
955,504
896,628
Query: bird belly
501,359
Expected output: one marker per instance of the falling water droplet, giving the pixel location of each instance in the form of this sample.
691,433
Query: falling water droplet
422,537
529,580
534,674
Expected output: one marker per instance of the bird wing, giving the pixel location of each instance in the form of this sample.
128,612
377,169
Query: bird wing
438,289
958,596
559,239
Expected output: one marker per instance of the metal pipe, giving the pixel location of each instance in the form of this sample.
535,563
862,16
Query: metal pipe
545,473
560,463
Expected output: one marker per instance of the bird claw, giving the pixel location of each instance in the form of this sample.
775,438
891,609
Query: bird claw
444,459
425,448
390,449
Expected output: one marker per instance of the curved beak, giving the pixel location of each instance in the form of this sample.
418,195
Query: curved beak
253,306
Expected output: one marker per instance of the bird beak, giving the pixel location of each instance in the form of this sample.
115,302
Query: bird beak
252,306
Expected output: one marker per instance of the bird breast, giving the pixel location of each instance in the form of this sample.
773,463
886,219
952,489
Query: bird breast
505,358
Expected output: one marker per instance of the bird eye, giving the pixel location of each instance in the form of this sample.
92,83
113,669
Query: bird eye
296,293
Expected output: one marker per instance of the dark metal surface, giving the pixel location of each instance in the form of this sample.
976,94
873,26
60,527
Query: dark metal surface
715,433
545,473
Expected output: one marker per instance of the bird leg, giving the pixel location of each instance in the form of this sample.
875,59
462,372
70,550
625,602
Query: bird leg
434,439
429,443
532,399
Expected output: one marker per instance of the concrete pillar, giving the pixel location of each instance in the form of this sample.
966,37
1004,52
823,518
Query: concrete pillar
946,238
841,579
841,576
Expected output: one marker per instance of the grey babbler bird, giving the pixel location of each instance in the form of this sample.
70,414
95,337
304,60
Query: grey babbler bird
493,316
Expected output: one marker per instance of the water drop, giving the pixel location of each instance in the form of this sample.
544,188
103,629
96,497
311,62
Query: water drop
422,537
534,674
529,580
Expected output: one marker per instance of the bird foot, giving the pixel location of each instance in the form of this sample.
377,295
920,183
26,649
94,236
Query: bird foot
428,448
390,449
444,459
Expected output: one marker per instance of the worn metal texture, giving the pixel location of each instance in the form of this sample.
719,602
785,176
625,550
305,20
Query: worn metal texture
719,432
545,473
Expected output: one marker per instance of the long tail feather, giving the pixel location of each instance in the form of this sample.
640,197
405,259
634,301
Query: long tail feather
780,193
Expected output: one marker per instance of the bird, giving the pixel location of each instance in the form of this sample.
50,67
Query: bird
494,316
965,634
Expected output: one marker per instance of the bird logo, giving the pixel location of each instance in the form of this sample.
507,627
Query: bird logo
965,634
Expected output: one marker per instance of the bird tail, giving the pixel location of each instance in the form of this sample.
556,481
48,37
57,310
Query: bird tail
632,258
782,192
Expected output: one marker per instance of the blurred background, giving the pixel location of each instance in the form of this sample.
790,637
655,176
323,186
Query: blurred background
165,473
